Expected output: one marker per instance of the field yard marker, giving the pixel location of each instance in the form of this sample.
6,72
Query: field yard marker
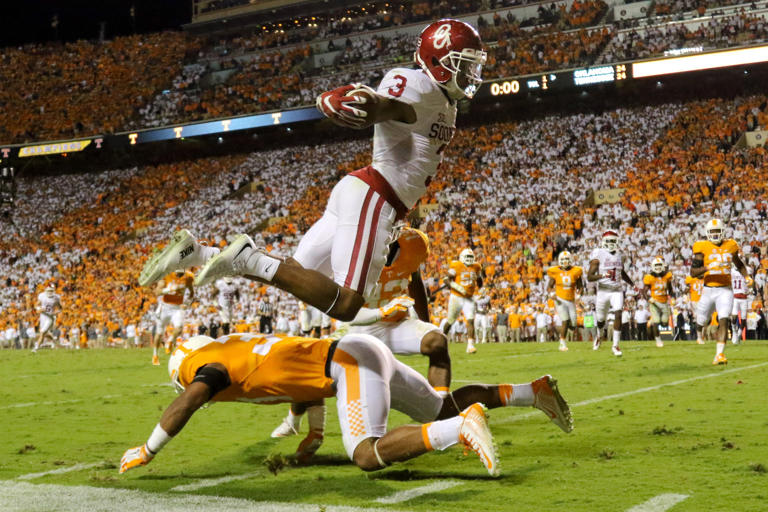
659,503
518,417
210,482
76,467
401,496
24,496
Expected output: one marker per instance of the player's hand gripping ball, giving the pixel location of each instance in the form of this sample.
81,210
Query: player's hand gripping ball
349,105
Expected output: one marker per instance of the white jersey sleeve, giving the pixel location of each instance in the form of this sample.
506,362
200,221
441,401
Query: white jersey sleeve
407,155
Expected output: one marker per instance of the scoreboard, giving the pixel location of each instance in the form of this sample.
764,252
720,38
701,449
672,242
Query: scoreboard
560,80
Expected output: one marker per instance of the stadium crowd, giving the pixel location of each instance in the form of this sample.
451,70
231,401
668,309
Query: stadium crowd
517,209
85,88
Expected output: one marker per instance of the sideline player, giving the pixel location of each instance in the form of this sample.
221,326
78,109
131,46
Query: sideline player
414,113
367,381
464,277
740,285
226,293
696,286
606,267
564,281
172,292
483,320
712,261
658,283
49,305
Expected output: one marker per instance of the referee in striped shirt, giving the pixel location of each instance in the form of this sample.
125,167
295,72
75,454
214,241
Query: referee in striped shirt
265,315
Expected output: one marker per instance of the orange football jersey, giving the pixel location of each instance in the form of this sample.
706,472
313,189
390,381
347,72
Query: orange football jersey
395,278
565,280
179,285
695,285
263,369
658,286
466,276
717,259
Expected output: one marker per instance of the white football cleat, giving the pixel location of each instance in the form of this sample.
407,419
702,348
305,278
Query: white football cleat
226,263
475,435
595,344
616,351
175,256
547,398
284,429
660,344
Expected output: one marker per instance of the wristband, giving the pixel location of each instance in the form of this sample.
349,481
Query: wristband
157,440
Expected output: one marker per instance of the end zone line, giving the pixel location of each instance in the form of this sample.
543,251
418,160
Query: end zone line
659,503
518,417
24,496
401,496
76,467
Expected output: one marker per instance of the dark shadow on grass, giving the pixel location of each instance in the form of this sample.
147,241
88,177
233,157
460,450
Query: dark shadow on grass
516,476
327,460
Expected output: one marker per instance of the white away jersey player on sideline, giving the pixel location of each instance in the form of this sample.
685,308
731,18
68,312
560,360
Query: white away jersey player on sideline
407,155
740,289
610,294
350,241
226,299
48,306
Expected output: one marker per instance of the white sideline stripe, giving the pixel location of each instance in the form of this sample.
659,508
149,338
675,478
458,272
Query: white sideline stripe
401,496
659,503
518,417
210,482
26,497
76,467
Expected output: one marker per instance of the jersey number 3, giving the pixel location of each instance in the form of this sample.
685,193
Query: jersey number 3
399,87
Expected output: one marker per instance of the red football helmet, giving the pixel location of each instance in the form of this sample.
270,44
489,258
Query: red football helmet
449,51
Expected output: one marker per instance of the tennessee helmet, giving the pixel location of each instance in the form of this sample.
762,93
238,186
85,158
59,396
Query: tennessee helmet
564,259
657,266
174,362
449,50
610,240
467,257
413,241
715,230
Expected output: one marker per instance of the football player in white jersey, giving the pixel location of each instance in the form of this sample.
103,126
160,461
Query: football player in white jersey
226,292
49,305
606,267
740,285
414,113
482,318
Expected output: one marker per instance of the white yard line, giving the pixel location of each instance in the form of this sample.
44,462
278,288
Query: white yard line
659,503
518,417
401,496
26,497
211,482
76,467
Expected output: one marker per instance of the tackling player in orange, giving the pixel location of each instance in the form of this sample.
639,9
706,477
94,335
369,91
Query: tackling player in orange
564,280
658,283
464,277
366,380
712,261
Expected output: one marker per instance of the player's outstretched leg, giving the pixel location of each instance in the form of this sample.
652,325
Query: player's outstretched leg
183,251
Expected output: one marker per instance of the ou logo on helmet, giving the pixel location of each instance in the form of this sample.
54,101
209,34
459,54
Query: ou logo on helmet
442,37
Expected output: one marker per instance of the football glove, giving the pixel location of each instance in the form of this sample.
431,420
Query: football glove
135,457
340,105
396,309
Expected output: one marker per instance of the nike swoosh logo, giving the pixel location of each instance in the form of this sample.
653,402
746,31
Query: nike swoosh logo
267,268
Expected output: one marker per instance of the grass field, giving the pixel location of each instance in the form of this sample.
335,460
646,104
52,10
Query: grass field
657,423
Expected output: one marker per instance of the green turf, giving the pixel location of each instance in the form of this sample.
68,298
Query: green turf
706,438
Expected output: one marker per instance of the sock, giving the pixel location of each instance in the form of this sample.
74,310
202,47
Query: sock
562,341
720,348
154,350
470,342
315,418
616,337
201,255
259,264
442,391
294,420
442,434
735,337
516,395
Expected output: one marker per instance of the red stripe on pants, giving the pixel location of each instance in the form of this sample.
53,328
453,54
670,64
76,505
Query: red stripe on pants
358,238
371,243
